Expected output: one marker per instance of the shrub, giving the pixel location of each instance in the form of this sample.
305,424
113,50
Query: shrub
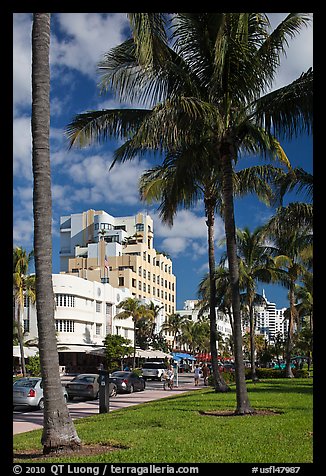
275,373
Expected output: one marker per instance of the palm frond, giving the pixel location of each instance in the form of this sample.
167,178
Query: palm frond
97,126
150,38
287,112
276,42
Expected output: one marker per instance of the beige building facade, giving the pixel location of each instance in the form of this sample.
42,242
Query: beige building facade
120,251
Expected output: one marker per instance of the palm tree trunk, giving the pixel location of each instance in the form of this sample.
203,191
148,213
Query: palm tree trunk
59,433
289,342
134,356
252,343
219,383
20,339
243,404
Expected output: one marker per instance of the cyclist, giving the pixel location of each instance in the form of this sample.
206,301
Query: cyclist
168,378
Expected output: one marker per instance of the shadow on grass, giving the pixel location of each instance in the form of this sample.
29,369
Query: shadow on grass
280,388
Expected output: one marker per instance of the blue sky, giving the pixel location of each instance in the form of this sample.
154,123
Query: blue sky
80,178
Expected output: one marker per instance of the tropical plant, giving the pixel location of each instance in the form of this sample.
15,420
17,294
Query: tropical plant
133,308
209,80
34,365
292,248
174,323
59,433
116,347
255,264
182,179
24,288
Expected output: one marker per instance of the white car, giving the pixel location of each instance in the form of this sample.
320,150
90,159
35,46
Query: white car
153,370
28,391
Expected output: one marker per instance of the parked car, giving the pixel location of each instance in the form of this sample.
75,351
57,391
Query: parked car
87,386
28,391
127,382
228,367
154,370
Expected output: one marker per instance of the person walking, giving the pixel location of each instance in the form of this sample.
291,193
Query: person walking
197,375
206,373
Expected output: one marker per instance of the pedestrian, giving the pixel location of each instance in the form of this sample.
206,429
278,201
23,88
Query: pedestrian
197,375
206,373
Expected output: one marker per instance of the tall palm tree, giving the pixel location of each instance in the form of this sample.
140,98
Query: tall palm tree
24,288
212,82
182,179
59,433
133,308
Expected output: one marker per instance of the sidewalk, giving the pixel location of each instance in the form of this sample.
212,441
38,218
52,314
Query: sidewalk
34,420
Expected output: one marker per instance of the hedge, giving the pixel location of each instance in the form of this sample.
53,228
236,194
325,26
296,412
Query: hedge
261,373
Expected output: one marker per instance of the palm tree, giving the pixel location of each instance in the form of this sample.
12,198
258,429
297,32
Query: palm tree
155,308
255,264
24,288
174,323
211,83
132,307
292,249
59,433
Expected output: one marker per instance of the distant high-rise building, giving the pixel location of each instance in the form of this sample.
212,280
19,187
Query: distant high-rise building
269,320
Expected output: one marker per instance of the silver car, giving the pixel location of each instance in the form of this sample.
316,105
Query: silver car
28,391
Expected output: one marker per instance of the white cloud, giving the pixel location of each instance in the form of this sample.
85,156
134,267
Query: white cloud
299,54
22,147
90,36
22,58
188,235
119,185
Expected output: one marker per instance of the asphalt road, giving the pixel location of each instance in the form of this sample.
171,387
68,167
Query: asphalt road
30,419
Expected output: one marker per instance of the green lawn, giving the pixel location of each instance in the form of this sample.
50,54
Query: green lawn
172,430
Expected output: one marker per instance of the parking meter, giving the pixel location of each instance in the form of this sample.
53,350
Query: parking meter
103,391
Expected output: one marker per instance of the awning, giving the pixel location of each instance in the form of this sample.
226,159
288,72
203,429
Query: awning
181,355
152,354
204,356
78,348
28,351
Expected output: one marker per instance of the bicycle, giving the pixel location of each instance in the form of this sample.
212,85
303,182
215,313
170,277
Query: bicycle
167,383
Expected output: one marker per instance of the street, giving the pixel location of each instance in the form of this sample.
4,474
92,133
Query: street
29,419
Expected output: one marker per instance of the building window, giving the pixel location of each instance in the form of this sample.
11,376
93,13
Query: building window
121,281
64,325
98,329
65,300
98,306
139,271
108,309
139,227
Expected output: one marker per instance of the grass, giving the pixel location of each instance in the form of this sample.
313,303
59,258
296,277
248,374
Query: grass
172,430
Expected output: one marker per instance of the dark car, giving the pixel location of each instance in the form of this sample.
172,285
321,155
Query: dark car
87,386
127,382
228,367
